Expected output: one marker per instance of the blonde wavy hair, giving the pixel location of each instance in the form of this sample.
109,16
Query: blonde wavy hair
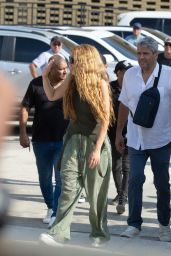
87,73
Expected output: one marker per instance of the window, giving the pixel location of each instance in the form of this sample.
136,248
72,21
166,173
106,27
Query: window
137,6
119,33
121,46
167,24
164,7
109,5
41,5
155,23
150,3
123,2
83,40
1,41
28,49
122,34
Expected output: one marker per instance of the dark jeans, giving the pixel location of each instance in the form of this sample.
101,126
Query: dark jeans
47,155
160,159
120,170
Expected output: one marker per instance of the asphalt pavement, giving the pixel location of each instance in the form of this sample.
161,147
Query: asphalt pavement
19,176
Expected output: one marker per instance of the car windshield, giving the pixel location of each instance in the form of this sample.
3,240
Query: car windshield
157,33
67,44
121,46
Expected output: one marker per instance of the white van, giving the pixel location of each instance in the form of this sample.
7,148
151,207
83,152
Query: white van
160,20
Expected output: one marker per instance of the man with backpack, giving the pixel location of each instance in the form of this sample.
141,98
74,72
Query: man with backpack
144,143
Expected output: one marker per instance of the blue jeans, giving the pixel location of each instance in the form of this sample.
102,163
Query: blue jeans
160,159
47,155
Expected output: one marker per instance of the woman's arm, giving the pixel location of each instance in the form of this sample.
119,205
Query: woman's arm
94,158
51,92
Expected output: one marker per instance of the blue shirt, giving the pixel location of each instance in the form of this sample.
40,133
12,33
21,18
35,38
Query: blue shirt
134,39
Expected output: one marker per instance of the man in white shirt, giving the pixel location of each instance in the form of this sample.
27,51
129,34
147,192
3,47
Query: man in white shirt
144,143
42,60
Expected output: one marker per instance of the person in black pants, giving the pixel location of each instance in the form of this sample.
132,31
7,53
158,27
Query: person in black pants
120,163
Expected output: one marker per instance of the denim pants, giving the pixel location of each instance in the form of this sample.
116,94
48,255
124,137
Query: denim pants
76,175
47,155
160,159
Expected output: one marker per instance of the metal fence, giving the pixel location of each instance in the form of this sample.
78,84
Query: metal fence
57,14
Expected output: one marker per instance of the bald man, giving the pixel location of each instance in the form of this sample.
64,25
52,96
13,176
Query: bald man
47,133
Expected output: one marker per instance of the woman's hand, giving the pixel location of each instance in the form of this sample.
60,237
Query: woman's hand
94,159
47,69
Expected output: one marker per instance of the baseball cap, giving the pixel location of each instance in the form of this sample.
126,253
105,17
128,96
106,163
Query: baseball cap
137,25
167,40
56,39
122,65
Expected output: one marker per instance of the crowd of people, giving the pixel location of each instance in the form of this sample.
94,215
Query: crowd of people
92,116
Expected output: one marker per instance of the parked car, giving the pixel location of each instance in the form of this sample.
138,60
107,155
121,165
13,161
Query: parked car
106,42
157,33
160,20
18,47
111,46
124,31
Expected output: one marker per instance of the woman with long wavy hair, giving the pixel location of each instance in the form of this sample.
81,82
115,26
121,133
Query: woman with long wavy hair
86,158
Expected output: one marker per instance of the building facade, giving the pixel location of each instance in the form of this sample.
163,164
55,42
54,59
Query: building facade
72,12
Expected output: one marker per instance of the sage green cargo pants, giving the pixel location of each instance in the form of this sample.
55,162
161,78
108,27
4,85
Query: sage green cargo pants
76,175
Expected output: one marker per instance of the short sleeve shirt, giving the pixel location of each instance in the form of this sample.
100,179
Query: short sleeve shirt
42,60
48,123
133,85
133,39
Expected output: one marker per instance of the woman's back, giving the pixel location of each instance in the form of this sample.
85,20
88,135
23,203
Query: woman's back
85,123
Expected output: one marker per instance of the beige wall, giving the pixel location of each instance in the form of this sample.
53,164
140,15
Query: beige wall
67,12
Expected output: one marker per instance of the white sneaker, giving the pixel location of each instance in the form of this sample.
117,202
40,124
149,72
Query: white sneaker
164,233
52,220
50,240
130,232
81,199
98,242
47,218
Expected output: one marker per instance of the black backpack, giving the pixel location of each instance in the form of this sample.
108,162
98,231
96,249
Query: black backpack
148,104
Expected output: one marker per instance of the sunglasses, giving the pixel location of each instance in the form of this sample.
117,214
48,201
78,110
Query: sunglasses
71,60
167,44
57,44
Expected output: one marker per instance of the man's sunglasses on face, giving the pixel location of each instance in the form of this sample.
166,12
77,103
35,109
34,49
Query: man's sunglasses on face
56,44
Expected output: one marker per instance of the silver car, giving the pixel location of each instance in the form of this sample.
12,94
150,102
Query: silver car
18,47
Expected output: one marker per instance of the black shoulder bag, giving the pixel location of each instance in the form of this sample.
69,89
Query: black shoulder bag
148,104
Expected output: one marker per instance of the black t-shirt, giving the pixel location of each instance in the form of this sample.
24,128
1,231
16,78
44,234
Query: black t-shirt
48,123
115,88
162,60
